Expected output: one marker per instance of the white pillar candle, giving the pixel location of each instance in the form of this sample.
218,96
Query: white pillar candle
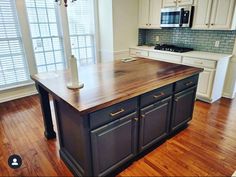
74,75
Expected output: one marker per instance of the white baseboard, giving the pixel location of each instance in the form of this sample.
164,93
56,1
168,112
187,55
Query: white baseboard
228,95
16,93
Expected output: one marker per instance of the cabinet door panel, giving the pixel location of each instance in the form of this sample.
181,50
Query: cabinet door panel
143,13
183,108
114,144
154,124
185,2
222,14
202,14
169,3
205,83
155,14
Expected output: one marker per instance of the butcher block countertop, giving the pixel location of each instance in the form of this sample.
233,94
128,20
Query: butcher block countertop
108,83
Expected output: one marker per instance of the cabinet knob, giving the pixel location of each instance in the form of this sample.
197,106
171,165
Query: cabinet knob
212,24
142,116
136,119
146,24
206,24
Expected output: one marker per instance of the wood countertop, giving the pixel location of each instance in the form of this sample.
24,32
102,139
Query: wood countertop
113,82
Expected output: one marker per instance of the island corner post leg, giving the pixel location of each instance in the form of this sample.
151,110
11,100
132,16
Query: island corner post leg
49,132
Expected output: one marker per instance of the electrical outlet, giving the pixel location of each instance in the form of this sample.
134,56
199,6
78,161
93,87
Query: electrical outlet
157,38
217,43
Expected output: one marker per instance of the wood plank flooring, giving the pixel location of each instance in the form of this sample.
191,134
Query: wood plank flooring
206,148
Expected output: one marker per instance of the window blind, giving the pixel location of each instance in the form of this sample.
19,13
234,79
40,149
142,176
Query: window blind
47,41
82,30
13,66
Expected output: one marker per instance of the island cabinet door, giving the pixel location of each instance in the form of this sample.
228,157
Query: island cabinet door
183,107
114,144
154,124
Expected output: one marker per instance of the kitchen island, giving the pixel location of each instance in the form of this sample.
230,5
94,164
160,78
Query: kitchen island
123,110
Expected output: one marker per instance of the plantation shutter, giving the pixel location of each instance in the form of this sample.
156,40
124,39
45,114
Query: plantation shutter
13,65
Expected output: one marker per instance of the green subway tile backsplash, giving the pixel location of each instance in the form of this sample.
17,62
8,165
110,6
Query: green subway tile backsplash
202,40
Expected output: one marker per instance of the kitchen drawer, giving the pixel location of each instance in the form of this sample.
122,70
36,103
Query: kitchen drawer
156,95
138,53
199,62
186,83
114,112
165,57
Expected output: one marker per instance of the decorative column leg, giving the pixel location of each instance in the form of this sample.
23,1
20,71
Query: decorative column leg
49,132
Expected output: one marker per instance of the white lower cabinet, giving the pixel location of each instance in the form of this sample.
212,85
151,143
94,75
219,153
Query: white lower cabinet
138,53
165,57
211,80
205,83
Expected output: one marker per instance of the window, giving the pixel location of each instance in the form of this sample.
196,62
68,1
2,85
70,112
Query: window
82,30
47,39
13,66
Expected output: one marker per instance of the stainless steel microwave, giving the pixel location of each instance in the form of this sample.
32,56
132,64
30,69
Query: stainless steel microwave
177,17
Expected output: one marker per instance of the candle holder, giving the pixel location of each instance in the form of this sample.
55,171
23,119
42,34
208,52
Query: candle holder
74,74
65,2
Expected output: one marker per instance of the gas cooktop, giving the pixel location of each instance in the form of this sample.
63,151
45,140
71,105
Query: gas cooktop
172,48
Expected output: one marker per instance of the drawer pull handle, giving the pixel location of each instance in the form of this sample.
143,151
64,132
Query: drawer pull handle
158,96
117,113
189,83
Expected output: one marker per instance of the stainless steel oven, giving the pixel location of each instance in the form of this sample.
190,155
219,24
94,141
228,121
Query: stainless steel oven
177,17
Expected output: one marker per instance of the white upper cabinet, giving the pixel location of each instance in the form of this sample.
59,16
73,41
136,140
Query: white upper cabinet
222,14
214,14
175,3
169,3
155,13
144,13
184,2
150,14
202,14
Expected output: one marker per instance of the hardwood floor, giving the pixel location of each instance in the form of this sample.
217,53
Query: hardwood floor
206,148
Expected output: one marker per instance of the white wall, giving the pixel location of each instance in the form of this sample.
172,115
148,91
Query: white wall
118,27
125,25
105,29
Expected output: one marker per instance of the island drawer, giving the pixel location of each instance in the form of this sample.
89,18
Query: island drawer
112,113
156,95
186,83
